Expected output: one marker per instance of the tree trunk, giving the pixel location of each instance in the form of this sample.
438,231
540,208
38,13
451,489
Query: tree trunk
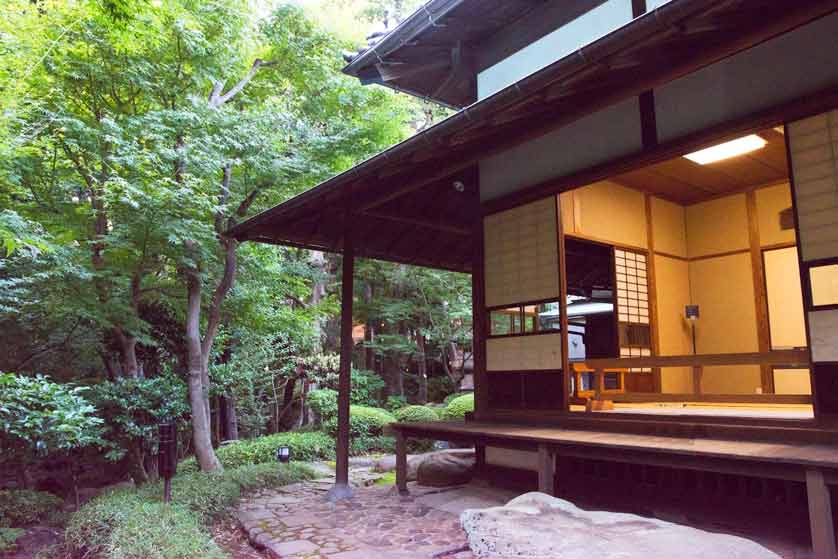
231,429
134,463
422,369
24,476
128,352
198,391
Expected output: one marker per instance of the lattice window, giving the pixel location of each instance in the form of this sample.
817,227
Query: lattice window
633,304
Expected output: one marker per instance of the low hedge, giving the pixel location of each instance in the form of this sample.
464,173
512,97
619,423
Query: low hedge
305,447
458,407
364,421
21,507
135,524
416,414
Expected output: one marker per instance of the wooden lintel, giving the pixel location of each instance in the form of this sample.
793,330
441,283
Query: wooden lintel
791,358
436,226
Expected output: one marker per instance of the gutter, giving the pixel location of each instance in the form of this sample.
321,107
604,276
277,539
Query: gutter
635,31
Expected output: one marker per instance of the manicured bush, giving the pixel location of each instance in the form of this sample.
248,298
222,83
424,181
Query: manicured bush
134,524
8,537
450,397
363,422
415,414
21,507
305,447
458,407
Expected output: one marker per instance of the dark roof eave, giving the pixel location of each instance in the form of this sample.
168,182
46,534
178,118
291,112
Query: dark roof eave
409,28
588,55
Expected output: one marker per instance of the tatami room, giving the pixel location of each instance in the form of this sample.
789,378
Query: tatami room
705,263
690,265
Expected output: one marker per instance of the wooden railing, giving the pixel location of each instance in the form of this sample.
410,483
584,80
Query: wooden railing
790,359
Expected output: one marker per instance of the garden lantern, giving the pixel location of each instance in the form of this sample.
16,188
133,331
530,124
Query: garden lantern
283,454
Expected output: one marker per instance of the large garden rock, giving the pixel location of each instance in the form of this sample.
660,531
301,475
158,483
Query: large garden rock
446,468
537,526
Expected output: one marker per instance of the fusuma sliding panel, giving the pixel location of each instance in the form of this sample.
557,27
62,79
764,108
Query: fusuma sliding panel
521,254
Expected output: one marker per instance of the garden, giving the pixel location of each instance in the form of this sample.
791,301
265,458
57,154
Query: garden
133,134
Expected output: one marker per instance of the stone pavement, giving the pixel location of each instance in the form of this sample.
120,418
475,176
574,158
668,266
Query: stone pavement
297,522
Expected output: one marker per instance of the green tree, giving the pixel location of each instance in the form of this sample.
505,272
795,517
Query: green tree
40,418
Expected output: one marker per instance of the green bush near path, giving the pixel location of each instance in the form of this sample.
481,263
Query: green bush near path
458,407
307,446
135,524
416,414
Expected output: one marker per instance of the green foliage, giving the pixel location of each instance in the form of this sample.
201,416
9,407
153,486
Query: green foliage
8,537
39,417
366,385
364,421
447,399
415,414
134,524
395,402
133,408
22,507
459,406
324,402
122,525
305,447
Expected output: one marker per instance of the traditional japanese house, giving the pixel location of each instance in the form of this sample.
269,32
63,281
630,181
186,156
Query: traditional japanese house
646,195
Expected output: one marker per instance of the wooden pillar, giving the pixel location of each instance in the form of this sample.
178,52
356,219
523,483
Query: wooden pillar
565,333
698,372
401,463
651,280
820,515
760,293
546,470
341,489
479,320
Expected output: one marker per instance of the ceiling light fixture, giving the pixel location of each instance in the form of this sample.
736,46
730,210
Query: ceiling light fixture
733,148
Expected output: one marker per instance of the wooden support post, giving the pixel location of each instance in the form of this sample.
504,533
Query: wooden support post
401,463
546,470
820,515
479,321
341,490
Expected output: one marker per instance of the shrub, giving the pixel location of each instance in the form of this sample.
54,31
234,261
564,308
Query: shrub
415,414
450,397
305,447
134,524
359,446
324,402
8,537
458,407
395,402
122,525
363,422
21,507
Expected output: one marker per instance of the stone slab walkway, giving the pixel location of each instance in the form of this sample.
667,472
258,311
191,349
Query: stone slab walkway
297,522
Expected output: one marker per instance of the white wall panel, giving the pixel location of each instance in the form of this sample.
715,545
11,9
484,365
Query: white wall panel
554,46
540,352
610,133
777,71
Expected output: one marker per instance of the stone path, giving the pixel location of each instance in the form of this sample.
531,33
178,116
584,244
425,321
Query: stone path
297,522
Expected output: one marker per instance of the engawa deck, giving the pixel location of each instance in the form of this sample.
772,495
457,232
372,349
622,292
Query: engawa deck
816,464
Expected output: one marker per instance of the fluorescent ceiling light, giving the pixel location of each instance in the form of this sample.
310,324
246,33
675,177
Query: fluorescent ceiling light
733,148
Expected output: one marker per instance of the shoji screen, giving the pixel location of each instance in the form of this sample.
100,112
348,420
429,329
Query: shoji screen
813,144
